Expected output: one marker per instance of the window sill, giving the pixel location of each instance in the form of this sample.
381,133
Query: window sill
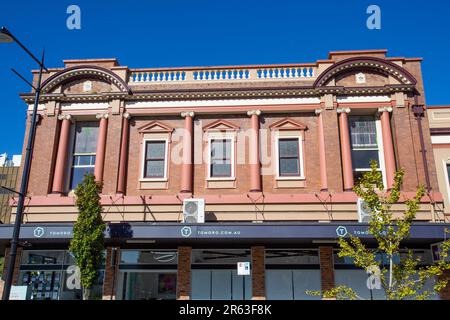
222,179
153,180
290,178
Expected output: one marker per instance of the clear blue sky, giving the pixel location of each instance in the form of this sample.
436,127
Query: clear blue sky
193,32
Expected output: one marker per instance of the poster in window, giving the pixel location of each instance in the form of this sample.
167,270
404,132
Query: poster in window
167,283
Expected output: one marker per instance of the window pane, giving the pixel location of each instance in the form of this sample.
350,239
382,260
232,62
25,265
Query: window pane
78,175
221,149
289,167
363,132
306,280
279,285
361,158
86,134
220,169
155,168
83,161
156,149
221,284
201,284
288,147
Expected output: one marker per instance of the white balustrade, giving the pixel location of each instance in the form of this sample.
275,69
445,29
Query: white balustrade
223,74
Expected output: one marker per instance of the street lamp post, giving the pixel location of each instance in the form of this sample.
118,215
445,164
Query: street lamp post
5,37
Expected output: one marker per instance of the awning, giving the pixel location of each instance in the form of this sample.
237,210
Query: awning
265,232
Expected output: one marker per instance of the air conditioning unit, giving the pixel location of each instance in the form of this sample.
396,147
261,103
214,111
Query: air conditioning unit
364,212
193,210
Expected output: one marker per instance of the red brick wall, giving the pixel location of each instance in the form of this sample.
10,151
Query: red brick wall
111,272
326,268
258,273
445,293
44,153
112,151
184,273
134,157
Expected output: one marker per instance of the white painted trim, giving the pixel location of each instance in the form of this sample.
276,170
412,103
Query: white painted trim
363,99
223,103
381,151
440,139
216,136
85,106
298,136
166,153
41,107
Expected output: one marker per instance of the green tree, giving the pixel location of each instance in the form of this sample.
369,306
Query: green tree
405,279
87,244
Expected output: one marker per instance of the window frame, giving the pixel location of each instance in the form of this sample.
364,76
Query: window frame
73,154
446,163
380,148
232,156
144,159
299,137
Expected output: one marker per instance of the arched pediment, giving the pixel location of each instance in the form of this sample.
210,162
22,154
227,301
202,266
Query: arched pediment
81,72
376,65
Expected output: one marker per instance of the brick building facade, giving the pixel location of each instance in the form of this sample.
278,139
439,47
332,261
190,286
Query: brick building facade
273,150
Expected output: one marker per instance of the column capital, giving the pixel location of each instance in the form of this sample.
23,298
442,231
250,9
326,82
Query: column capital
185,114
343,110
385,109
64,117
126,115
102,115
318,111
253,112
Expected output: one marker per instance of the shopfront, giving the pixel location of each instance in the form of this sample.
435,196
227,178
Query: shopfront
149,274
200,262
53,275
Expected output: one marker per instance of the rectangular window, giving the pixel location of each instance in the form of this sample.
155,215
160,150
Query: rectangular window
84,150
289,157
221,158
364,144
155,159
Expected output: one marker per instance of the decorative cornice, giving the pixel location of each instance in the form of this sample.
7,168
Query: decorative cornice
385,109
253,112
343,110
185,114
255,93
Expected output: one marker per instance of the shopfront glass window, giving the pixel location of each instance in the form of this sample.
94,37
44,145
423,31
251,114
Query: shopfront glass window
147,274
53,275
214,275
290,273
358,279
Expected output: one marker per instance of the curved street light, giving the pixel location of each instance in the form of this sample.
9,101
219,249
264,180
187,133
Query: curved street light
7,37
